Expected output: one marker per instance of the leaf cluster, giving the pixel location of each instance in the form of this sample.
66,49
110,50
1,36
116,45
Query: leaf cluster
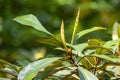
84,61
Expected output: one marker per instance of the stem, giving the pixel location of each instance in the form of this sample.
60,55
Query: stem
97,61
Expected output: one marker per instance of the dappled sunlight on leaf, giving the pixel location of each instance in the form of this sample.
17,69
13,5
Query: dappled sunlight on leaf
39,53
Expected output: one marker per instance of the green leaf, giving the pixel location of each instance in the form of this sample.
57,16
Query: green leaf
63,36
31,70
71,77
4,79
31,20
10,71
85,74
98,49
50,41
111,43
30,77
79,47
44,74
109,58
60,75
50,70
87,62
116,31
8,68
95,42
23,62
75,27
48,73
80,34
3,62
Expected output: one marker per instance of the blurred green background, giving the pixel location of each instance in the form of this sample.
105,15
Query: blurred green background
17,41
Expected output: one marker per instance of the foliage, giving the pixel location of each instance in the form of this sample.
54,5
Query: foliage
15,41
17,44
84,61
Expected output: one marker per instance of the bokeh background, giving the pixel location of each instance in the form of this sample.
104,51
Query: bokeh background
17,41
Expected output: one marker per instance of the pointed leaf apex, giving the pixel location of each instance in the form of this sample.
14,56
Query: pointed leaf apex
63,35
75,26
116,30
31,20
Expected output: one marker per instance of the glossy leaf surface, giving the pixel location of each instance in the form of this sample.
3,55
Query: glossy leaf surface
31,20
29,72
85,74
112,59
82,33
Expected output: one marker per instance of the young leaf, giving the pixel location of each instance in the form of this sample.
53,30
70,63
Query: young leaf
63,35
80,34
75,27
31,20
31,70
116,31
86,75
116,35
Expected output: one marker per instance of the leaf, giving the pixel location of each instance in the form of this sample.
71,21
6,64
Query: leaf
87,62
4,79
111,43
98,49
75,27
63,35
44,74
50,41
80,47
10,67
31,20
48,73
71,77
108,63
95,42
2,62
9,71
116,31
63,72
80,34
33,68
23,62
50,70
112,59
85,74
